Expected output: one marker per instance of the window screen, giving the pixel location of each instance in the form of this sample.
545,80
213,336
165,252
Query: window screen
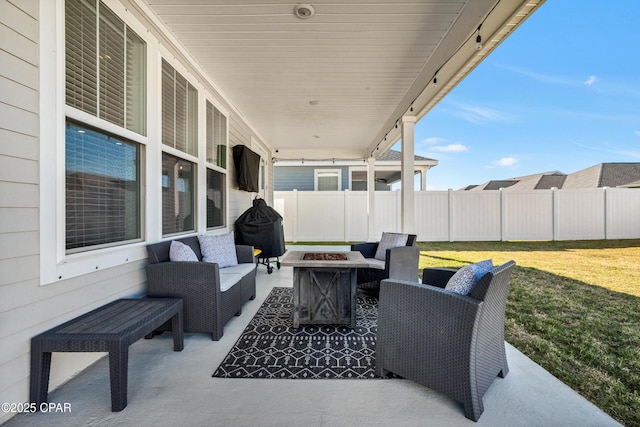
216,211
328,180
102,188
178,192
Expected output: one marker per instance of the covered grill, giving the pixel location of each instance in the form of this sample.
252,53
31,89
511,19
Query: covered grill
261,227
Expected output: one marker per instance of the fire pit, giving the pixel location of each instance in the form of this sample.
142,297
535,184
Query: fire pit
324,287
325,256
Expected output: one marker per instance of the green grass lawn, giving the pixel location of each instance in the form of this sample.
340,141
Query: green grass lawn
573,308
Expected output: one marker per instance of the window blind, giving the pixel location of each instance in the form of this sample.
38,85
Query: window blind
179,111
105,65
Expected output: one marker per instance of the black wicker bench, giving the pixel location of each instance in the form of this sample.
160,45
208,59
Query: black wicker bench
111,328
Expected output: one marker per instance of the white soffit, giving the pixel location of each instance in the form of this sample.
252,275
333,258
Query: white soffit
334,84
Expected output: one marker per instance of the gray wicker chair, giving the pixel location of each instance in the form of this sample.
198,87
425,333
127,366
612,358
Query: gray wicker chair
400,263
206,308
451,343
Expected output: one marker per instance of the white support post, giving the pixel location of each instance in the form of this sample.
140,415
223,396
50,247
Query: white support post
406,174
371,194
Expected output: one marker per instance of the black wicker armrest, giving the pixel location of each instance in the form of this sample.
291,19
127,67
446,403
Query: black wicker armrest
437,276
408,307
183,278
245,254
368,250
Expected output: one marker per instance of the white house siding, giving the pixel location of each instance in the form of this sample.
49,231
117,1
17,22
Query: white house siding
26,307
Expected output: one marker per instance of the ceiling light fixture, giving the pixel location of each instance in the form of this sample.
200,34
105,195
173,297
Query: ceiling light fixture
304,11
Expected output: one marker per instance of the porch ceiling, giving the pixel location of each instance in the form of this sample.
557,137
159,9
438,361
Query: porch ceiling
335,84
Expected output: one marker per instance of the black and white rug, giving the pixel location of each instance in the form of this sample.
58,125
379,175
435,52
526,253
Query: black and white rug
270,347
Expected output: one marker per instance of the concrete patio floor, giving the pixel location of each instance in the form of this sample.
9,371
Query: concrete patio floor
168,388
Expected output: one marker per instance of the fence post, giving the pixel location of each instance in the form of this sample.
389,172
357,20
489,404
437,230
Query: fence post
398,211
294,223
606,209
554,213
502,216
347,220
450,213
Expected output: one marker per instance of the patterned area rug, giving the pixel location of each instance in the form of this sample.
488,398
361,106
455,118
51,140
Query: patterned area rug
270,347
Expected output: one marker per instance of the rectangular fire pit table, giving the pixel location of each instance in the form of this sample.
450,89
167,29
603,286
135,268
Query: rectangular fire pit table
324,286
111,328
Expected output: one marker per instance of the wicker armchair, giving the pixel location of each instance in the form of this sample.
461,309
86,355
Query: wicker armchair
400,263
451,343
206,307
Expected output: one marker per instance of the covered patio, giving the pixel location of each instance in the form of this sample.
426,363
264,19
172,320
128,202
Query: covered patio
176,388
328,81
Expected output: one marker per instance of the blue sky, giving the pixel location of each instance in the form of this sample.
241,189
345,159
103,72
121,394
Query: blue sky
561,93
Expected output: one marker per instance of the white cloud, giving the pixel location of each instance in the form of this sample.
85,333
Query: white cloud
433,140
506,161
478,114
449,148
535,75
591,80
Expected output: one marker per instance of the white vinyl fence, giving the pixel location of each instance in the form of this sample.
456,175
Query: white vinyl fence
585,214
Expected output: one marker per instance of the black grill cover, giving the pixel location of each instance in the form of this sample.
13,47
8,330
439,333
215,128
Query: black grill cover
261,227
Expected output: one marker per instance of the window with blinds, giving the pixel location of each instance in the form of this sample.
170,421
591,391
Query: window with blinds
216,136
105,76
179,111
104,65
178,195
102,186
327,180
216,210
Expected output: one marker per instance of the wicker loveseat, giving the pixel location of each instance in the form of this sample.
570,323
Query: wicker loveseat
211,295
446,341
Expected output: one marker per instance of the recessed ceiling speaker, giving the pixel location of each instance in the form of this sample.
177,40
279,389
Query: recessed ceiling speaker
304,11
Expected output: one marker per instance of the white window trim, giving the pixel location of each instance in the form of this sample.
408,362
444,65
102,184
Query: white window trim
202,171
316,172
55,264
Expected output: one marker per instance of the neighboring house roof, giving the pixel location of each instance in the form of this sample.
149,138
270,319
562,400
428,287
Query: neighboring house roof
537,181
600,175
604,175
547,182
396,156
634,184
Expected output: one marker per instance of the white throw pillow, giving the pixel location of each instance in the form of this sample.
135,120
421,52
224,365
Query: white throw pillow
462,281
389,241
178,251
220,249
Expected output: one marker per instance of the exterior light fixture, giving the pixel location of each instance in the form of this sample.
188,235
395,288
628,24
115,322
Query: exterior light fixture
479,39
304,11
435,82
